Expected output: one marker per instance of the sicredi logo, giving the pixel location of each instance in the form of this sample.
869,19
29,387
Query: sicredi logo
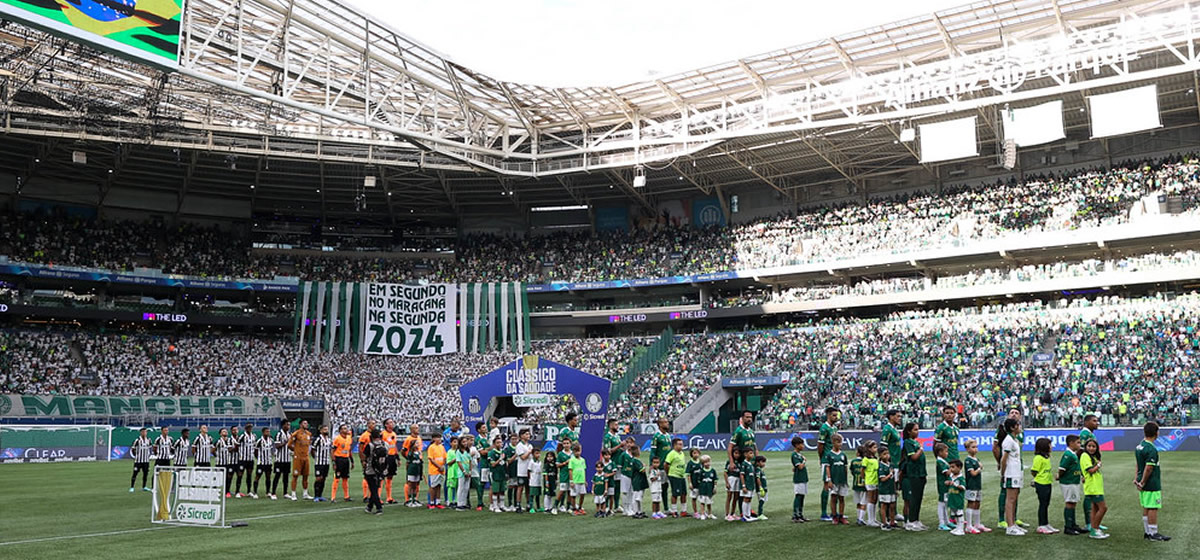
203,514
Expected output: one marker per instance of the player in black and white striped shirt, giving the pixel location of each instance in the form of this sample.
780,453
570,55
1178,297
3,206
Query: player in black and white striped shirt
181,447
245,460
203,447
226,457
322,447
140,451
163,448
265,451
283,458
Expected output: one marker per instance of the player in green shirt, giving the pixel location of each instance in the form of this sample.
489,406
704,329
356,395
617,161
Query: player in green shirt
571,431
743,434
799,480
942,466
890,437
660,445
955,488
707,484
1070,477
693,475
947,431
834,467
1148,480
495,461
824,442
616,449
1090,424
676,467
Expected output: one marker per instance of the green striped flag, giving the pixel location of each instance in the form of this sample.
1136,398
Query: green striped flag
329,317
494,316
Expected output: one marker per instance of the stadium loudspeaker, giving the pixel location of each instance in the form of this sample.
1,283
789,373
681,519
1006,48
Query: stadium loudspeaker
79,157
1010,153
369,181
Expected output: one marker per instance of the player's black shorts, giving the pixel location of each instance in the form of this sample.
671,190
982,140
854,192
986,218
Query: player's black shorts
321,471
283,467
141,466
203,464
391,464
246,466
264,468
341,467
162,462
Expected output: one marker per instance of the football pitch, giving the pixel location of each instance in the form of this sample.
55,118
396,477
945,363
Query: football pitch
84,510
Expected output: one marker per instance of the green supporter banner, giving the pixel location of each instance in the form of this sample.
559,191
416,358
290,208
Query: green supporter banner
145,30
75,406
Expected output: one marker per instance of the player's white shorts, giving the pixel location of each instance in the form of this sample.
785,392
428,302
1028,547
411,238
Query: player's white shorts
485,476
563,487
578,489
1013,482
694,493
733,483
656,497
626,484
610,491
872,487
860,497
1071,493
800,488
746,493
413,479
839,490
973,495
436,479
705,500
887,498
599,499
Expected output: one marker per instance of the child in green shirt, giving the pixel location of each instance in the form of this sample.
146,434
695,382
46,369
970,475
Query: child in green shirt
577,468
692,471
749,484
638,482
598,487
799,480
1071,480
760,463
955,488
706,486
974,474
942,452
887,490
836,482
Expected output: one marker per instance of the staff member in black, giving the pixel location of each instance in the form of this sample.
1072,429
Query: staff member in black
203,447
374,462
163,449
320,450
140,452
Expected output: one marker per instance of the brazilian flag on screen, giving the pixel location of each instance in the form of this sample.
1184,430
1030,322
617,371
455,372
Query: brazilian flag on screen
144,29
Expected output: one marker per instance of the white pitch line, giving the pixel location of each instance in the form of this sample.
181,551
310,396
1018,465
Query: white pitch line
144,529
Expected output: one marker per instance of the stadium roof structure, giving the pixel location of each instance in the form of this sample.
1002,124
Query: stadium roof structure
290,104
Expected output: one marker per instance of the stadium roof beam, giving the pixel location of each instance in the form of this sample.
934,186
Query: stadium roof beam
567,183
831,155
387,194
699,180
946,39
445,184
843,56
759,83
747,159
119,160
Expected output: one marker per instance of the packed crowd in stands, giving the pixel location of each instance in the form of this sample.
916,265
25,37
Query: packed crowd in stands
981,277
1110,355
899,224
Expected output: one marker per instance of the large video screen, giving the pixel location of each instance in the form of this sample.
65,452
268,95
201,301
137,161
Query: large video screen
147,30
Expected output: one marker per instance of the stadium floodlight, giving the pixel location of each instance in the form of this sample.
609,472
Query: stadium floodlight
369,181
908,135
559,208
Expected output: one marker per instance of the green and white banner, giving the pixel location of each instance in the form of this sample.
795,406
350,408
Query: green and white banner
495,317
411,320
68,406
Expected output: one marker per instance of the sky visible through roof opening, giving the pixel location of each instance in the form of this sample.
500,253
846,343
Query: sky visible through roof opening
614,42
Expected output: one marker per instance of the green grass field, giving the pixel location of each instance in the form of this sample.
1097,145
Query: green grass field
83,510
